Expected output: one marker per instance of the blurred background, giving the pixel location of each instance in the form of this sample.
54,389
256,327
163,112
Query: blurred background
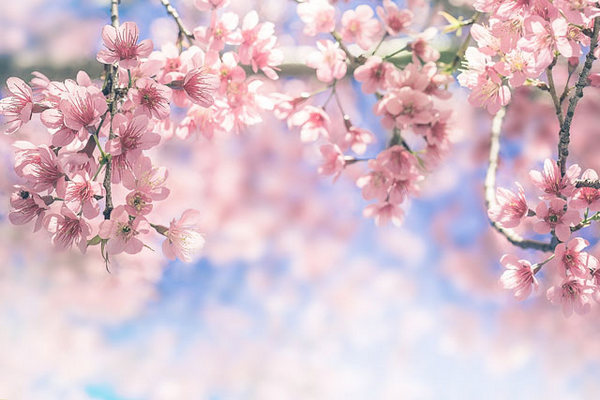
296,296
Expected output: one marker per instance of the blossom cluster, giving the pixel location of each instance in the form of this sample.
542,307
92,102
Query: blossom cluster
93,182
408,97
563,210
519,42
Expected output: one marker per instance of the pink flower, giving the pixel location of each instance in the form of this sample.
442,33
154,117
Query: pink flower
38,165
398,161
318,16
184,239
358,139
376,184
62,135
359,26
384,213
555,218
573,294
82,108
152,98
510,207
68,229
121,232
25,207
122,46
199,85
373,74
329,61
551,183
573,262
519,276
395,20
145,178
314,123
568,38
491,93
79,194
587,197
17,108
333,160
403,107
138,203
258,46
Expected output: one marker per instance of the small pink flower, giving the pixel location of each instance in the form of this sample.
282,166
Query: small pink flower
314,123
491,93
68,229
82,108
573,294
184,239
519,276
122,46
587,197
79,194
333,160
359,26
510,207
395,20
151,98
138,203
38,165
18,107
318,16
329,61
145,178
25,207
199,86
572,261
358,139
373,74
405,106
555,218
121,232
551,183
385,212
376,184
398,161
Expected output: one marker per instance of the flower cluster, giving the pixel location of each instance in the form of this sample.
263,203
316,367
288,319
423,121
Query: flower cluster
563,209
519,41
408,100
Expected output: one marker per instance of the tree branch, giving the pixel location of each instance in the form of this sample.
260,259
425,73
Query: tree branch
173,13
587,183
565,128
490,190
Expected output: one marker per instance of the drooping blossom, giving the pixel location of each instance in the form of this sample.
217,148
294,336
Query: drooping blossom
67,229
122,46
383,213
184,238
18,107
121,232
38,165
551,183
333,160
376,184
360,27
314,123
317,15
510,207
555,218
199,85
25,206
329,61
358,139
518,276
573,294
572,261
394,19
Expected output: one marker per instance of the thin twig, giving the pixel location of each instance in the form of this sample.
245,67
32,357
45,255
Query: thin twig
565,128
552,90
490,190
587,183
173,13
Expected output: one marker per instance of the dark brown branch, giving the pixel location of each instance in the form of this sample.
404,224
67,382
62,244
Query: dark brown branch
490,190
582,82
588,183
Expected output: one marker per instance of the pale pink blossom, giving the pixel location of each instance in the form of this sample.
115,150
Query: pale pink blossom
518,276
572,261
550,181
144,178
38,165
510,208
18,107
333,160
314,123
329,61
555,218
79,194
67,229
376,184
358,139
258,46
360,27
82,107
25,206
395,20
385,212
138,203
398,161
373,74
151,98
199,85
572,294
122,232
122,46
403,107
317,15
184,238
586,197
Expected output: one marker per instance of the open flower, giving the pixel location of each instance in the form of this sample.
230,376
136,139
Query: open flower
68,229
510,207
122,232
552,183
79,194
555,218
572,261
518,276
199,85
184,239
25,207
122,46
587,197
151,98
329,61
18,107
572,294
